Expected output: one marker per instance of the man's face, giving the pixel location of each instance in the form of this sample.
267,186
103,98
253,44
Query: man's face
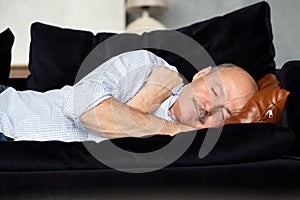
209,100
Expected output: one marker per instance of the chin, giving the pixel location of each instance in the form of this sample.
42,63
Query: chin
201,126
194,125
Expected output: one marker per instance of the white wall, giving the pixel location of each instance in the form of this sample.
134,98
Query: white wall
93,15
285,16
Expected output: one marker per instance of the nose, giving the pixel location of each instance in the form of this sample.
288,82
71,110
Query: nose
208,110
203,115
213,107
208,113
203,112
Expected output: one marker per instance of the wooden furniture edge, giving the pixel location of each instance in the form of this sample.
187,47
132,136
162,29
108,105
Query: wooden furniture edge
19,71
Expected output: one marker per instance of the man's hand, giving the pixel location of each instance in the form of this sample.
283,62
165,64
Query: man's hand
157,88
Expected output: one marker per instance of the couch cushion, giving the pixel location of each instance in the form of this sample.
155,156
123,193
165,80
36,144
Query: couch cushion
55,56
243,37
289,76
6,43
238,143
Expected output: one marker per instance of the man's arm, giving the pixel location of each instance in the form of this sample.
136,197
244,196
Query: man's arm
148,99
157,88
114,119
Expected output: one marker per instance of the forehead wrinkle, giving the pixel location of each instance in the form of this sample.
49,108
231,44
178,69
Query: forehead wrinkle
235,100
238,102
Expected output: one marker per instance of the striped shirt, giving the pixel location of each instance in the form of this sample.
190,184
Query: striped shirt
55,114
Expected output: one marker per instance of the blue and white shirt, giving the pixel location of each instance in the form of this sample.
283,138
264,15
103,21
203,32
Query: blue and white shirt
55,114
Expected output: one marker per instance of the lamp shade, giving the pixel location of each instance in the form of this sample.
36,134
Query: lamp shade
153,6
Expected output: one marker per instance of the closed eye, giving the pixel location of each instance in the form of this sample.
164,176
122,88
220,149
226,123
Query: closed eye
214,91
217,89
226,112
223,115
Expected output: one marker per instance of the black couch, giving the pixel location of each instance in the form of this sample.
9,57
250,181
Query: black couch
258,156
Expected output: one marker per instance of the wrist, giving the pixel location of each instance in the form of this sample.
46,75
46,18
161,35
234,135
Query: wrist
153,95
170,129
158,91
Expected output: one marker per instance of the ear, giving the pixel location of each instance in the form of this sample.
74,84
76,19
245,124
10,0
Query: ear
201,73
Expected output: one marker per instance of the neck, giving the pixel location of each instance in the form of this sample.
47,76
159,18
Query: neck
174,110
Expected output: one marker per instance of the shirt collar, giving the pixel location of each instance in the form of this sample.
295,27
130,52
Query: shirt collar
176,92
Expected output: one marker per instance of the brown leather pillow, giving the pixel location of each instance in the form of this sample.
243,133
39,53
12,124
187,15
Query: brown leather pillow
266,105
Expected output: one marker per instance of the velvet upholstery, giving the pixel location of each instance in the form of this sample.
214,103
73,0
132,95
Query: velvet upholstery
60,51
55,56
241,37
269,178
237,144
239,161
6,43
289,77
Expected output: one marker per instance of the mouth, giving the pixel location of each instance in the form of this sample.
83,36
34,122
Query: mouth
201,112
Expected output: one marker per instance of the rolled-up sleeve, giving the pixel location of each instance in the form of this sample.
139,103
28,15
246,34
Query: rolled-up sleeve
83,97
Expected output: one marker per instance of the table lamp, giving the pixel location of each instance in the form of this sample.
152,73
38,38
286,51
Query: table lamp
146,7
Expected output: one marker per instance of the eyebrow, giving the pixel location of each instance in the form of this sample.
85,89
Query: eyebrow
216,94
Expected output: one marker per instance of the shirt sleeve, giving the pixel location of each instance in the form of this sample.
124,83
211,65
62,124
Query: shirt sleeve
94,88
83,97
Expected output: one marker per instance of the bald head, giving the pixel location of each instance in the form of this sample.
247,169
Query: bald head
238,85
214,95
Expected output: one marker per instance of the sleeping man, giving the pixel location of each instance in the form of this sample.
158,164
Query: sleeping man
134,94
